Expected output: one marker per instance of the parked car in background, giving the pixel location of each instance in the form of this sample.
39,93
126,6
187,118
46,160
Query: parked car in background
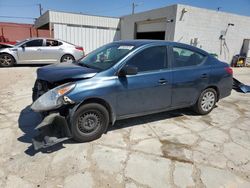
5,45
40,51
126,79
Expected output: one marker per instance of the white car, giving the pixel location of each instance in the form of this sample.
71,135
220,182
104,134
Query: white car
40,51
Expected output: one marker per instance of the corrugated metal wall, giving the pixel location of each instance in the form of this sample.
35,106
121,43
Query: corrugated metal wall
88,38
81,19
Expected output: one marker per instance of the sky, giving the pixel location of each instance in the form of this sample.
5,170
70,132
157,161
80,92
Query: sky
24,11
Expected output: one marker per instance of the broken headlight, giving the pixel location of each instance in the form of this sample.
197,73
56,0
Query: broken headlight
53,98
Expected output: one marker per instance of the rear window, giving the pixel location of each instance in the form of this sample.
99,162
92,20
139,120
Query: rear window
185,57
50,42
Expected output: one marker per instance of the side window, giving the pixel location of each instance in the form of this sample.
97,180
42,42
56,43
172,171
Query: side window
50,42
150,59
184,57
34,43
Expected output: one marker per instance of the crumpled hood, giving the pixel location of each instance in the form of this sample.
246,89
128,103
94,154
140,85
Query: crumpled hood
64,71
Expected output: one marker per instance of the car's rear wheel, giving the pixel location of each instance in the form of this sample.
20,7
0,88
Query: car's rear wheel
206,101
6,60
67,58
90,121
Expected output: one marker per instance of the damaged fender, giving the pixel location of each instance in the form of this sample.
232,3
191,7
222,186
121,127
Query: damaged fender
53,129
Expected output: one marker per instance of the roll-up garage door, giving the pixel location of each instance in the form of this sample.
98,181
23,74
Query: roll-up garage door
151,29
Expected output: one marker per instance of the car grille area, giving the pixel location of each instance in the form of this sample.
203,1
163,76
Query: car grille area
42,87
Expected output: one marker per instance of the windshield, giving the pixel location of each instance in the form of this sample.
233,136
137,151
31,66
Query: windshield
105,57
21,42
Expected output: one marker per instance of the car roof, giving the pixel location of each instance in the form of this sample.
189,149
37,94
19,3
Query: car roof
138,43
34,38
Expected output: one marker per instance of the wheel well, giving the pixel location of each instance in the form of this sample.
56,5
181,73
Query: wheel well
65,55
9,55
217,91
101,102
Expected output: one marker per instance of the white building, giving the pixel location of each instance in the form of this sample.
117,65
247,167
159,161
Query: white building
88,31
214,31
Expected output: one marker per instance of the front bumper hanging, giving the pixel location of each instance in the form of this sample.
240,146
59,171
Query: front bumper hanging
53,129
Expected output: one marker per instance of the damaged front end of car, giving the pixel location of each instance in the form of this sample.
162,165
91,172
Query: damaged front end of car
57,106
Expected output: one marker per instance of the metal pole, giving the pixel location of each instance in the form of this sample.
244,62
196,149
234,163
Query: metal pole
133,8
40,8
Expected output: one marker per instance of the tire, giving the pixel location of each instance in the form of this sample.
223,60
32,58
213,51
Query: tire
67,58
6,60
35,95
206,101
89,122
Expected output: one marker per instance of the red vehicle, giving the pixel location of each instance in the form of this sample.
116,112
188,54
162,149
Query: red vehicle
5,45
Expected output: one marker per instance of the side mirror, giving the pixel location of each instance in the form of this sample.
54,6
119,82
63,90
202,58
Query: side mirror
23,46
128,70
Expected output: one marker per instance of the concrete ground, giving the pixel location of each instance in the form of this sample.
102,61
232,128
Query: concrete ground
172,149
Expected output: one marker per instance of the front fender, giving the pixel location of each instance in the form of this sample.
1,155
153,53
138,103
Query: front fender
108,106
96,90
12,55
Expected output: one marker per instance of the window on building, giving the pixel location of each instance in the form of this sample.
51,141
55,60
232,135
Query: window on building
184,57
150,59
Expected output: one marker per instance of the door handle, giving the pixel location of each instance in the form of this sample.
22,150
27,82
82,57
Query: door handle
205,75
162,81
39,49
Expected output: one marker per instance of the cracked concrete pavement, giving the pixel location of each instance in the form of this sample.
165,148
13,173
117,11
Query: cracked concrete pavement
171,149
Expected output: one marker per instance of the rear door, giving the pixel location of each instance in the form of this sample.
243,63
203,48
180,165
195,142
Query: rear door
150,89
190,75
53,51
31,52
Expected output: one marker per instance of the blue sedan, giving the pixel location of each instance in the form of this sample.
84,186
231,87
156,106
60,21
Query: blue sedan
126,79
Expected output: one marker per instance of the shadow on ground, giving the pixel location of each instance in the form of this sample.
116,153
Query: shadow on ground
28,120
150,118
30,65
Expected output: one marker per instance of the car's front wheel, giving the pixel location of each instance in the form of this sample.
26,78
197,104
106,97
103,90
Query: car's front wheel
206,101
89,122
6,60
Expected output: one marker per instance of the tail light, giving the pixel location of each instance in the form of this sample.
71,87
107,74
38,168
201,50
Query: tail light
79,48
229,70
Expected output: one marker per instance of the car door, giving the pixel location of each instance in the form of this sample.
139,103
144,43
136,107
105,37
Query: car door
52,50
31,52
190,75
150,89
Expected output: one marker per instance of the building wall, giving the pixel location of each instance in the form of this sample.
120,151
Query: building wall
42,20
15,32
128,22
83,19
202,24
88,31
207,25
88,38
